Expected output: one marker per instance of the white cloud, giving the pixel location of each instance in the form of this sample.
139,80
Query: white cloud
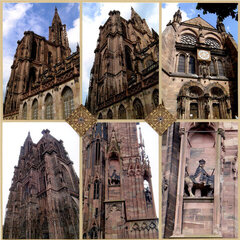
73,34
91,29
168,12
12,14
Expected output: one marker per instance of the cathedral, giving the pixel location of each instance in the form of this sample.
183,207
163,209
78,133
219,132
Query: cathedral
44,80
199,69
44,196
118,200
200,180
124,77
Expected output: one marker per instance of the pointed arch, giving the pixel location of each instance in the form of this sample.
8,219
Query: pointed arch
109,114
128,58
138,109
49,106
68,104
34,50
181,63
24,112
155,97
122,112
35,109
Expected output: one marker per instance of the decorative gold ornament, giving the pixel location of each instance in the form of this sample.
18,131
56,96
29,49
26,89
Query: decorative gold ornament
81,120
160,119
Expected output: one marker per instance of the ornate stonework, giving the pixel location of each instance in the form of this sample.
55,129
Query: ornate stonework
124,76
44,195
118,198
199,70
44,80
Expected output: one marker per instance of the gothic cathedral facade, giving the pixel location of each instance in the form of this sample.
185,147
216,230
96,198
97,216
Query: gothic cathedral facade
44,76
44,196
199,70
118,198
124,77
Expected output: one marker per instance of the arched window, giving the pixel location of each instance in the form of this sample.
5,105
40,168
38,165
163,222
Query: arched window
220,68
124,32
216,111
188,39
155,97
128,58
181,63
110,114
192,65
138,109
49,107
35,109
212,69
98,151
24,112
212,43
93,233
96,190
50,58
34,50
122,112
68,105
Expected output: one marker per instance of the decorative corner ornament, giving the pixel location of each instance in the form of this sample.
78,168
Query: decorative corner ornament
81,120
160,119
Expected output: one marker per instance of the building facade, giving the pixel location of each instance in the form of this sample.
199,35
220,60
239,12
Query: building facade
44,195
200,180
199,69
124,77
44,80
117,188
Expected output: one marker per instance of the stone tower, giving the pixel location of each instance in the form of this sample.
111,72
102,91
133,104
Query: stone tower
199,69
117,188
44,76
44,195
200,180
124,77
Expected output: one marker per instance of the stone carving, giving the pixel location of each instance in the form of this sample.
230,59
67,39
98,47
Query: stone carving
148,195
114,179
201,180
204,69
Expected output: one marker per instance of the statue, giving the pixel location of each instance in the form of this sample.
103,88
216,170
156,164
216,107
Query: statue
205,182
204,70
148,195
114,179
220,25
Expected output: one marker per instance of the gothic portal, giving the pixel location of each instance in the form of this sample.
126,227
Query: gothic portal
199,69
44,195
117,188
44,80
124,77
200,186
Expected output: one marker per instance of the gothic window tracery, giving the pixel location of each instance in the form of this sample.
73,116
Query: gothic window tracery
68,105
110,114
49,107
128,58
34,50
122,112
35,109
138,109
188,39
211,42
212,69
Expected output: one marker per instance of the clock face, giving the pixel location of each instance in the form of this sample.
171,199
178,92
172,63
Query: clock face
204,55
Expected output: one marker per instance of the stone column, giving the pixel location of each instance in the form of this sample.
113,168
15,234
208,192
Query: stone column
216,204
180,186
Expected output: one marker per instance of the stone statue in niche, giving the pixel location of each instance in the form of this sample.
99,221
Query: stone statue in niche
114,179
200,184
148,195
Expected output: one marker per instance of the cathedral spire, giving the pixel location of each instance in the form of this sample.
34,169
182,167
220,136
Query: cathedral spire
136,18
56,18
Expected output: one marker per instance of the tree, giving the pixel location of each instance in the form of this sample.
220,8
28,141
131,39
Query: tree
222,10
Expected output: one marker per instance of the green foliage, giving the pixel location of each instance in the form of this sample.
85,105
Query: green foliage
222,10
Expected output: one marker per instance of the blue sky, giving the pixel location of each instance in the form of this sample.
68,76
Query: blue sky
96,14
37,17
189,11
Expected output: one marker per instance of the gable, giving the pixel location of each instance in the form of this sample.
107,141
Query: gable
199,21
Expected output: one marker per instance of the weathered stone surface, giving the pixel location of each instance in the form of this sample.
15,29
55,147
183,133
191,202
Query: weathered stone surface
124,77
114,173
44,80
44,195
